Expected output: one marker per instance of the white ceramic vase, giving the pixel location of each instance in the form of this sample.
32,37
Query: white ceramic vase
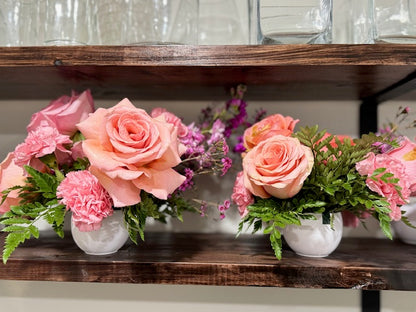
107,240
405,233
313,238
45,229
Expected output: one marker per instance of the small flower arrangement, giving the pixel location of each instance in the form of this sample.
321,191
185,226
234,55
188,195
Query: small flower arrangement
288,176
91,161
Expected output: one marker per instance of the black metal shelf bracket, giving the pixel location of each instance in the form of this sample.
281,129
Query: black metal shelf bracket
368,109
370,299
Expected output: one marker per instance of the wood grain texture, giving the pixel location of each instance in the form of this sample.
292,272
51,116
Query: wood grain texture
218,259
275,72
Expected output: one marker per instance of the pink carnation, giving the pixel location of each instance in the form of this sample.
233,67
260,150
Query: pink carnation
367,166
89,202
42,141
406,153
241,195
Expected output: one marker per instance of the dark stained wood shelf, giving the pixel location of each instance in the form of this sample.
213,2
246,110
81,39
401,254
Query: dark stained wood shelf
218,259
274,72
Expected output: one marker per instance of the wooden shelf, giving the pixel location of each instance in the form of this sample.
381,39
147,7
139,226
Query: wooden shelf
274,72
218,259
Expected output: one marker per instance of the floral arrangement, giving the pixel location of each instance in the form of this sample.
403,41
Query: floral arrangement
288,176
91,161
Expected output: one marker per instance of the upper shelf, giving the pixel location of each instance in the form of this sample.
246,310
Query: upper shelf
273,72
217,259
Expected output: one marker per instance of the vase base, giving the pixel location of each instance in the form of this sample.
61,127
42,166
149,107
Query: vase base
408,241
312,256
100,253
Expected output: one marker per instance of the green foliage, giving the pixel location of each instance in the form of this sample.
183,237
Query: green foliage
135,216
334,185
38,201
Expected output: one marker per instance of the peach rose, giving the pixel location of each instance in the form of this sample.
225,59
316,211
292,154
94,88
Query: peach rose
268,127
277,167
130,151
10,175
64,113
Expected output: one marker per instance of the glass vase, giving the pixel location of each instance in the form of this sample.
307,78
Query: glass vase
394,21
293,22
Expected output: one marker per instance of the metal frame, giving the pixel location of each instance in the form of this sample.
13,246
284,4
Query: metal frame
370,299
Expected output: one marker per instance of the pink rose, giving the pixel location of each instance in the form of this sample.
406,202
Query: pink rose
130,151
42,141
241,195
367,166
64,113
277,167
10,175
406,153
86,198
172,119
268,127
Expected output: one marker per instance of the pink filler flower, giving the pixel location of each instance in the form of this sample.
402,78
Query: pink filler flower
241,196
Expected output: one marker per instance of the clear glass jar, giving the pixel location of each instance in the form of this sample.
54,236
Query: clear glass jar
223,22
130,22
66,22
293,22
395,21
19,23
353,22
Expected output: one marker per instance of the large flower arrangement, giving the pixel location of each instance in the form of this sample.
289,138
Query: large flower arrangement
91,161
288,176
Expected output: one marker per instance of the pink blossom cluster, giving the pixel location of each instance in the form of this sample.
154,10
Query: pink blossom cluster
401,162
47,143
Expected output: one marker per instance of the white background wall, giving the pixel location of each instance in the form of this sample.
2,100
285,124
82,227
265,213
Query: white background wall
336,117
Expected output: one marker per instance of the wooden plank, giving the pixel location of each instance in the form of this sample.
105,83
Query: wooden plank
284,72
209,56
218,259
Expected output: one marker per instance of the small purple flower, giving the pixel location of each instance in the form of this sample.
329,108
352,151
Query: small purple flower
225,148
239,148
224,207
383,147
217,132
203,209
188,183
226,165
193,140
205,160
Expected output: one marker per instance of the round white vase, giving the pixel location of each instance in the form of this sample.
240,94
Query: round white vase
405,233
45,229
313,238
111,236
